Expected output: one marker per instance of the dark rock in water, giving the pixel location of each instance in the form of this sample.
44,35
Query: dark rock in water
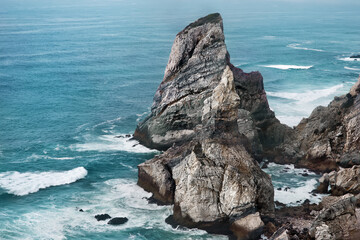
279,189
127,135
305,174
102,217
80,210
355,56
286,189
118,221
152,200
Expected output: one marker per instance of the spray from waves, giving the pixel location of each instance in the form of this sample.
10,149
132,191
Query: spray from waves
296,196
104,143
21,184
307,96
298,46
293,185
353,69
287,67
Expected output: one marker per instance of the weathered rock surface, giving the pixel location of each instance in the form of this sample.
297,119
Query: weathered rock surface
329,137
212,180
197,61
335,221
344,181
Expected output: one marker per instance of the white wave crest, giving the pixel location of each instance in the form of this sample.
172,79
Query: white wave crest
30,182
298,46
287,67
307,96
353,69
349,59
106,143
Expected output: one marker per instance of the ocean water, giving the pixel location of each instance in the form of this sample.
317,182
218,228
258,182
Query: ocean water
76,77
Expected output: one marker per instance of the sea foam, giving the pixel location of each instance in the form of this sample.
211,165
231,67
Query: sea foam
287,67
307,96
21,184
111,142
349,59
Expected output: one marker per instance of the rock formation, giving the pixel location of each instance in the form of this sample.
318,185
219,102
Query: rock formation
330,137
212,180
335,221
197,61
214,122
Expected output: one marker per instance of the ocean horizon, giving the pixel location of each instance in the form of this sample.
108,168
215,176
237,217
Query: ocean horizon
77,78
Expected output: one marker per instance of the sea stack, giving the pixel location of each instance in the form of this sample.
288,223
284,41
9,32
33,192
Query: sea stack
196,64
211,114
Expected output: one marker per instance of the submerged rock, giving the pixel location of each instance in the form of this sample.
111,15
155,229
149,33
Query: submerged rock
102,217
118,221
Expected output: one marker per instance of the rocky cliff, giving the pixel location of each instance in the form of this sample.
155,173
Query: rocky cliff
197,61
329,138
212,180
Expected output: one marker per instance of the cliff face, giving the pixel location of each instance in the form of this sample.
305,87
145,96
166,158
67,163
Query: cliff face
196,63
212,180
330,137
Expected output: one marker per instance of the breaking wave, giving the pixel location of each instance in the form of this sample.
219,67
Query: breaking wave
287,67
21,184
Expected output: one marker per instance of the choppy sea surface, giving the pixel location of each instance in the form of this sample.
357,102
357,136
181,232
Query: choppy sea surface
76,77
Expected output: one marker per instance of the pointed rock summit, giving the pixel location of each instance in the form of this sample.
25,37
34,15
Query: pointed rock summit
209,112
196,64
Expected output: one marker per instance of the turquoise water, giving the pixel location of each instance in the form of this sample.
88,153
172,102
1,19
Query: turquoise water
75,78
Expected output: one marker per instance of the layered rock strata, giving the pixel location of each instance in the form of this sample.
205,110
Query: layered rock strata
197,61
212,180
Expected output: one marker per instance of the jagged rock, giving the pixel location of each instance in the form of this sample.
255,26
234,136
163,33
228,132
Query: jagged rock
118,221
102,217
335,221
197,61
330,136
344,181
280,234
248,227
212,179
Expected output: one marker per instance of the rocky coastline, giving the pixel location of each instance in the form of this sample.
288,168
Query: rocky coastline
214,124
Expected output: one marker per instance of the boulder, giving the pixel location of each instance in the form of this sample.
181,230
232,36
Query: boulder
102,217
248,227
118,221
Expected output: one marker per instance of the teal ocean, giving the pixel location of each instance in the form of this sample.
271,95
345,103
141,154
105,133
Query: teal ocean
77,76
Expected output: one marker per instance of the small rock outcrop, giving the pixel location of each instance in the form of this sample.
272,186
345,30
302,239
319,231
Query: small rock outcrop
197,61
102,217
118,221
344,181
212,180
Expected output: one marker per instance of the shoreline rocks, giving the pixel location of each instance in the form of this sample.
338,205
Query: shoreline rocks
214,123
